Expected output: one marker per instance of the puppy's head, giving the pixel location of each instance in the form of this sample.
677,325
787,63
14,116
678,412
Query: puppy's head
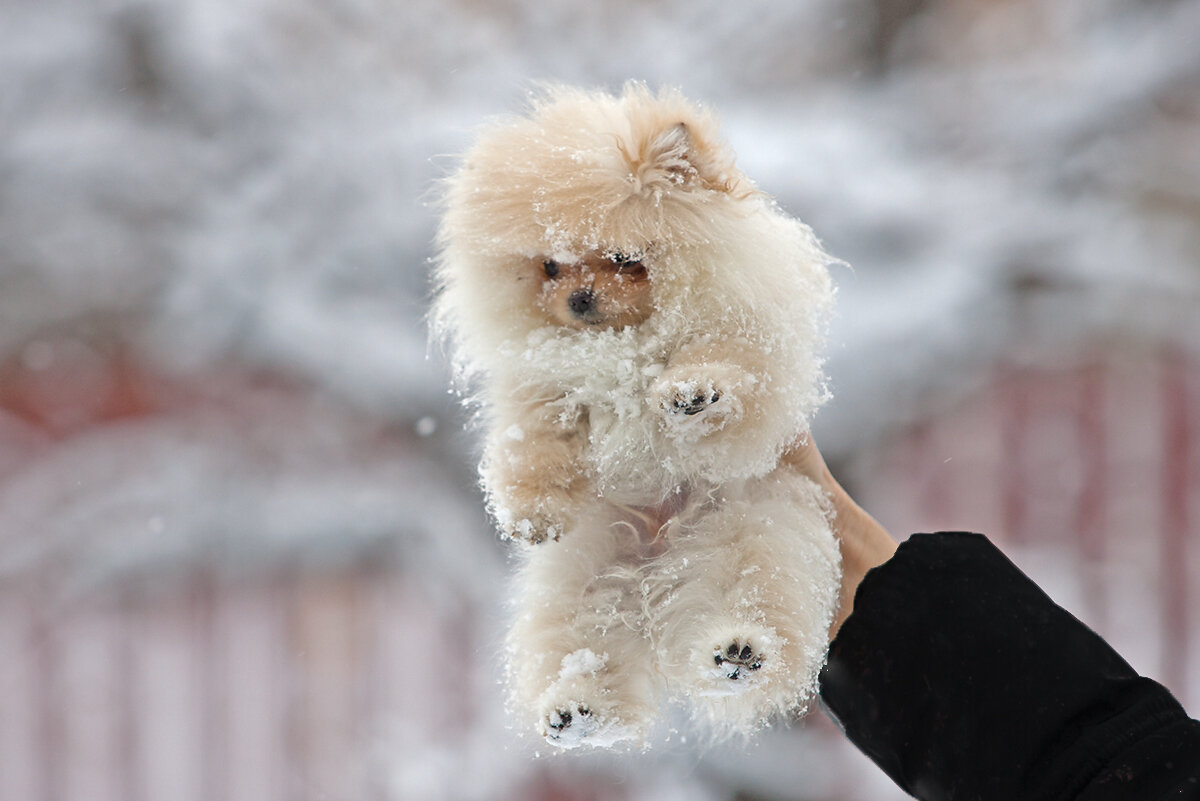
573,215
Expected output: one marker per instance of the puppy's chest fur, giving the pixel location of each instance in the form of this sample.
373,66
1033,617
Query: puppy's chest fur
600,380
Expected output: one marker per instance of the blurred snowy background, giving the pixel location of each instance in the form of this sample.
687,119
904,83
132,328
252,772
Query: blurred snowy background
242,554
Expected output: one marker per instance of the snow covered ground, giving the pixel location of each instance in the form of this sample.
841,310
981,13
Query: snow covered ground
219,187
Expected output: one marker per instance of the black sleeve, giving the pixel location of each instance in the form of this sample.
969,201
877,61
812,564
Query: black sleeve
961,679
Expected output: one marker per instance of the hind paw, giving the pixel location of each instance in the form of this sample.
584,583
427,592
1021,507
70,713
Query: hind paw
572,721
737,660
575,724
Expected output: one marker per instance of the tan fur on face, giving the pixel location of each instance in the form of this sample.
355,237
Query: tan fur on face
600,291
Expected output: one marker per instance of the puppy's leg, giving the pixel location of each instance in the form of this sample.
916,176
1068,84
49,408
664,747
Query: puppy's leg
747,590
708,386
579,663
532,468
727,408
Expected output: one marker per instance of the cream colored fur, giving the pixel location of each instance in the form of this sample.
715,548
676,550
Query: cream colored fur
642,460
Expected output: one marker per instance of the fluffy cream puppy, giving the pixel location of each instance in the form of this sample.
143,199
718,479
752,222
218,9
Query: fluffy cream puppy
640,327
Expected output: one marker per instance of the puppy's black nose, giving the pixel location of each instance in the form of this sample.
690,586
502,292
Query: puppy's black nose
582,302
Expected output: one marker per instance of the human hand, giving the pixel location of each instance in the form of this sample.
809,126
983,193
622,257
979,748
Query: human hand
863,542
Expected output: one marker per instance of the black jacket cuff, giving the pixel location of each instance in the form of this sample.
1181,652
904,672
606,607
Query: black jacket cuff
961,679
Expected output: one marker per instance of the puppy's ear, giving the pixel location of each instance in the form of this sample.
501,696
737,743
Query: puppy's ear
677,156
669,150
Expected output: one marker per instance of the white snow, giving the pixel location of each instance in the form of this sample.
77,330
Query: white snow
581,663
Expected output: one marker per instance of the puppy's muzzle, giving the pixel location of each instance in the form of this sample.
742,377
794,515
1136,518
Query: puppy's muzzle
583,303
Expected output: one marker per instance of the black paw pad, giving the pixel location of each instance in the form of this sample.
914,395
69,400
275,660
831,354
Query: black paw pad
737,660
697,403
561,719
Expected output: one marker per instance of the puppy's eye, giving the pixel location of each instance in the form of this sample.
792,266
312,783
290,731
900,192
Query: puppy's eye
550,267
626,262
631,267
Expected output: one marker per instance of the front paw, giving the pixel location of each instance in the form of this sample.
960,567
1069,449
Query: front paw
701,405
688,398
533,527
